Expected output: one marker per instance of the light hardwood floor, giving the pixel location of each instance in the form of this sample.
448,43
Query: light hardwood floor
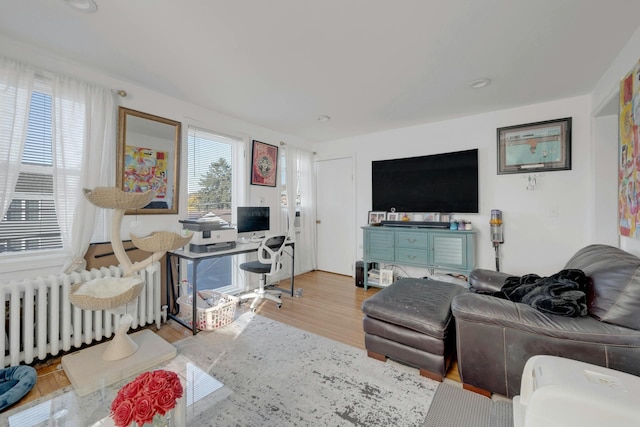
329,306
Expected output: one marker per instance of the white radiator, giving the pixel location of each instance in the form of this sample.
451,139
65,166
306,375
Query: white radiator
40,320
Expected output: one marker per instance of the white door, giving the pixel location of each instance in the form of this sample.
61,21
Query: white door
335,215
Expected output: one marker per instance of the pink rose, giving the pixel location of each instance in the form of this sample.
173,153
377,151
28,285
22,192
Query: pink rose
116,402
177,387
143,378
143,410
122,415
157,383
130,390
165,400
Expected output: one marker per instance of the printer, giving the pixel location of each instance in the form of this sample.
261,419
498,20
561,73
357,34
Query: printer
210,234
561,392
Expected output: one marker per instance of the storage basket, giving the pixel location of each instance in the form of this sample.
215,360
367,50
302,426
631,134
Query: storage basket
219,314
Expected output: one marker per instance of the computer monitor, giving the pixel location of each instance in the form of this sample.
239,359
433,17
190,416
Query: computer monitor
253,219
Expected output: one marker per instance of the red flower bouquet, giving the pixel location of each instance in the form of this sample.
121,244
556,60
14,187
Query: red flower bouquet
149,394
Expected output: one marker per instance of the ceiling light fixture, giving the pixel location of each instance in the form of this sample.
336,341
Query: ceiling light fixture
323,118
87,6
480,83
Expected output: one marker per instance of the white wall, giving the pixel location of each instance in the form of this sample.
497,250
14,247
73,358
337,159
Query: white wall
534,241
147,101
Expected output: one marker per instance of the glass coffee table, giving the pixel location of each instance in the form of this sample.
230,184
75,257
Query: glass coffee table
67,408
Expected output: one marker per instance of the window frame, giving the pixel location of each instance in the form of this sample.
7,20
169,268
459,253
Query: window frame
238,191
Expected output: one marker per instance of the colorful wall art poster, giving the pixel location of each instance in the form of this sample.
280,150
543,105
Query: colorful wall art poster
264,164
145,169
629,155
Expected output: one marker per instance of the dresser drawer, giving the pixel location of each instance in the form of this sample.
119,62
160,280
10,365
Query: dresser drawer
411,239
411,256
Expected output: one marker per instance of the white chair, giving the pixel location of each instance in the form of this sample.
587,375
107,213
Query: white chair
269,263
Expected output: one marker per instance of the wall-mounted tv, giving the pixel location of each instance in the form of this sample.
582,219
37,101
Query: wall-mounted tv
445,182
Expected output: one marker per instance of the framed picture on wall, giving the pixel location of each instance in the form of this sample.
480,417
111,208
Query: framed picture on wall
535,147
264,164
148,158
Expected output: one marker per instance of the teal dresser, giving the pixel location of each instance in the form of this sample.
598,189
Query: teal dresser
431,248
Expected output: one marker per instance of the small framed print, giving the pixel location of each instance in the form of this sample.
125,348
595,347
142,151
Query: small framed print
386,277
376,217
264,164
393,216
432,216
445,217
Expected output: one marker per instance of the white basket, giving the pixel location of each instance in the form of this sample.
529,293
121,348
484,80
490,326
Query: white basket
210,317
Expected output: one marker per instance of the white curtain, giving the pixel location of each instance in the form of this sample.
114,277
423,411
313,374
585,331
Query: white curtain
83,141
300,174
16,85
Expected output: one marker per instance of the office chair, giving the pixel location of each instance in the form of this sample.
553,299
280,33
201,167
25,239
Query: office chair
269,263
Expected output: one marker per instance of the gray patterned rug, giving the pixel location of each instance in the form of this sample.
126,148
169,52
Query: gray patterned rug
278,375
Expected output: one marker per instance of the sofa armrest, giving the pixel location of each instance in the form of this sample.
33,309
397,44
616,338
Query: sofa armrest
495,338
487,281
485,309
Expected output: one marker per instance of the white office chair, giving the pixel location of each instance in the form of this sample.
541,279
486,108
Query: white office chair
269,263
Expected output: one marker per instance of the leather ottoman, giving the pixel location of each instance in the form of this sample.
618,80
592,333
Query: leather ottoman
410,322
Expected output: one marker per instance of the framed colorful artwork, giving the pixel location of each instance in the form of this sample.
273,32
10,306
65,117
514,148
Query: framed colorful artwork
264,164
148,158
629,155
535,147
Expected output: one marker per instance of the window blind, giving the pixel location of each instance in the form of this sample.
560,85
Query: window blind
30,222
210,171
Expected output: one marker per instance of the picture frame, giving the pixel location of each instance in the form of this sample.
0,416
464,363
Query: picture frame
431,216
393,216
148,158
376,217
386,277
535,147
264,164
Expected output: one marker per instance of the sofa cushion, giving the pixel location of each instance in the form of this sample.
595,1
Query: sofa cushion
613,294
417,304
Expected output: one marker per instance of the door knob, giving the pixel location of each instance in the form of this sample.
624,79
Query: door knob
318,221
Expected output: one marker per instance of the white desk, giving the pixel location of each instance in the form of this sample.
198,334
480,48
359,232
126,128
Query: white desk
196,258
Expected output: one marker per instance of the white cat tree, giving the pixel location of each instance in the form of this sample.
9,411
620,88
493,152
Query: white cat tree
103,364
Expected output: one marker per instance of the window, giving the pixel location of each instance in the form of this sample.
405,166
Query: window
30,223
210,187
283,181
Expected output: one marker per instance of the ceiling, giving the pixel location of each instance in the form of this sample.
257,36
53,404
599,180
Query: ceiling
370,65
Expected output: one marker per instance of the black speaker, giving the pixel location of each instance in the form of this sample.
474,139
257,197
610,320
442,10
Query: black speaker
360,272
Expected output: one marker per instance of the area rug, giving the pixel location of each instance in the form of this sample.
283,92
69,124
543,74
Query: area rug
454,407
278,375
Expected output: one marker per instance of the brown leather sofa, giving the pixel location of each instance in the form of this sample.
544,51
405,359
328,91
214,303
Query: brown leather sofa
495,337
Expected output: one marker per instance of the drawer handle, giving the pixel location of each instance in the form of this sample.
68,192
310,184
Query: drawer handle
411,240
411,256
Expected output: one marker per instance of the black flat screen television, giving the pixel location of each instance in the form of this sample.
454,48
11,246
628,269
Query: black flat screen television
446,183
252,219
